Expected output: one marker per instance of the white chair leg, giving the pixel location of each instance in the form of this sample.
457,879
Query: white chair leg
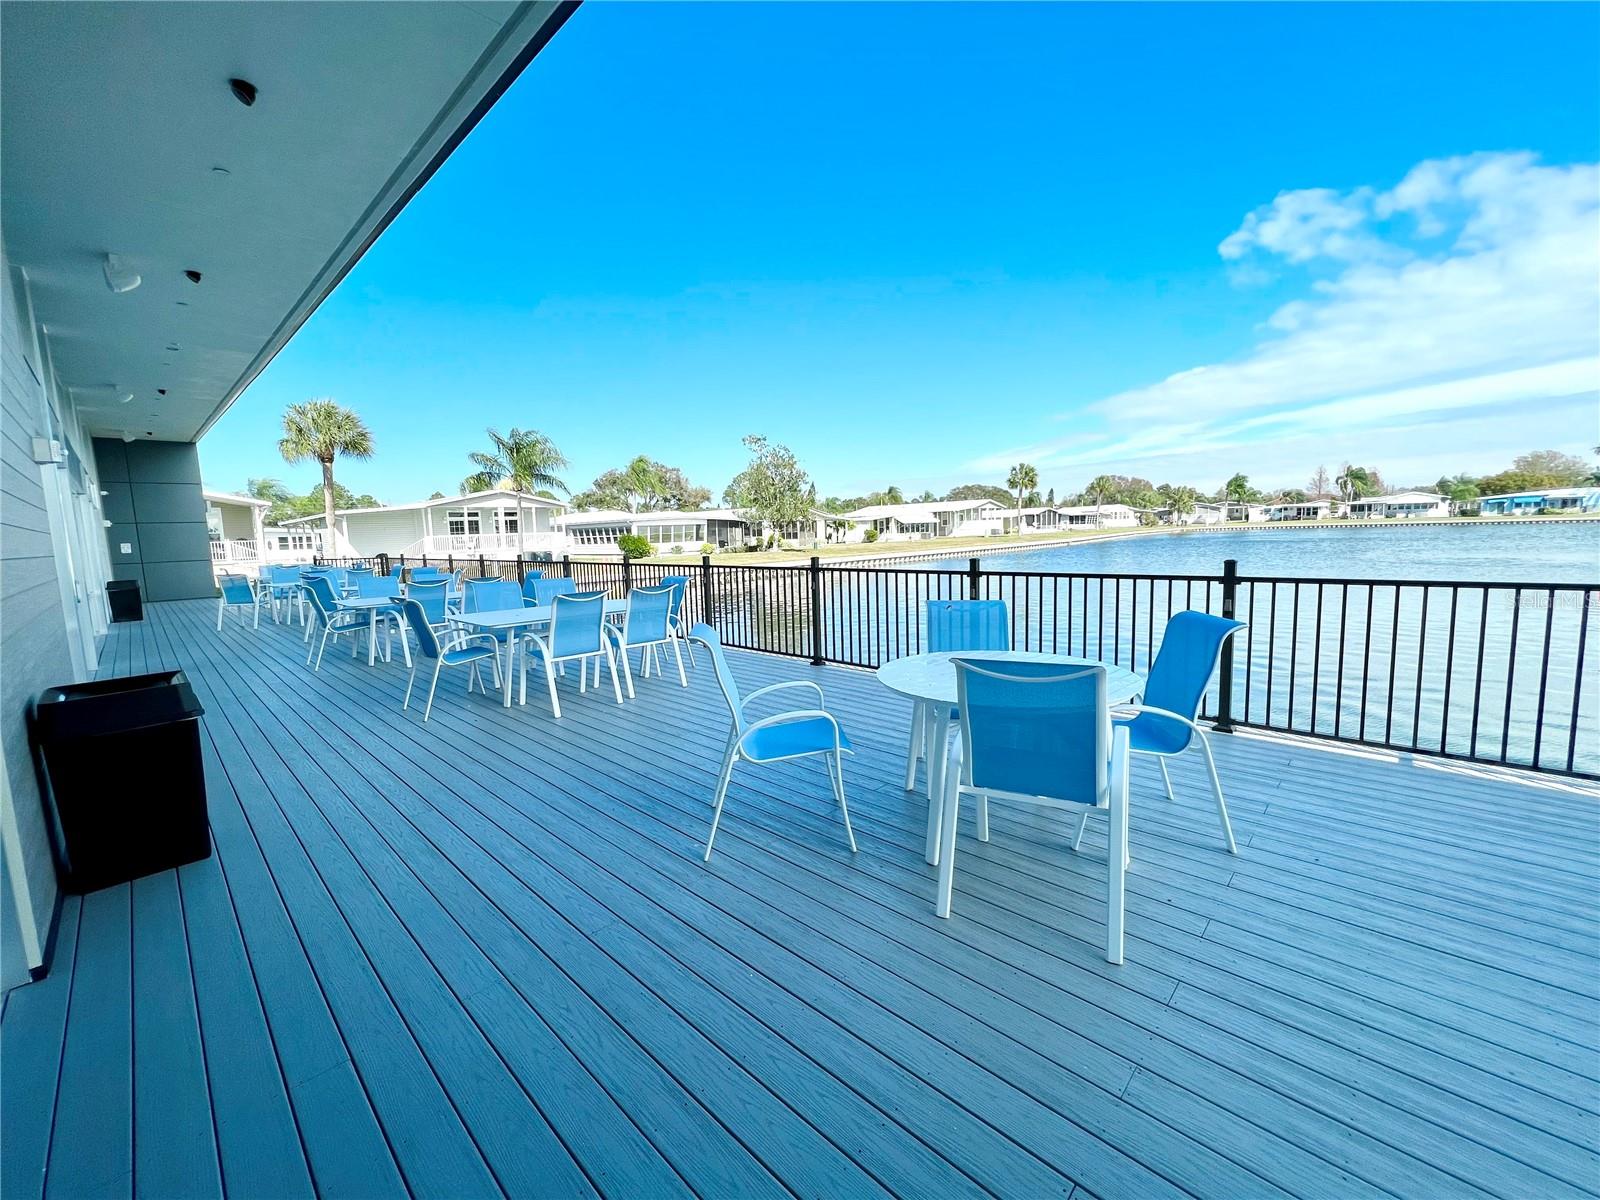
1216,788
836,777
221,604
683,680
1083,823
438,665
627,669
722,794
611,662
410,682
1166,780
322,646
550,679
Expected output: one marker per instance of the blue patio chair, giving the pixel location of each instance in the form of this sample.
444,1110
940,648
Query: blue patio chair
546,590
351,574
680,593
490,595
576,633
396,571
392,618
1040,734
794,733
283,588
458,648
955,625
238,595
647,625
1163,721
377,585
528,580
336,622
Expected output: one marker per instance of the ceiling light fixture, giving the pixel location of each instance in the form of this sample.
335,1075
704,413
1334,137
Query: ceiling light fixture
125,398
119,277
243,91
126,436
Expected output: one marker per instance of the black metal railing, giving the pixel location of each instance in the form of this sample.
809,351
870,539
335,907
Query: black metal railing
1487,672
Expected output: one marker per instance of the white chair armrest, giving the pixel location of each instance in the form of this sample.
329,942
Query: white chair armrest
788,683
1126,712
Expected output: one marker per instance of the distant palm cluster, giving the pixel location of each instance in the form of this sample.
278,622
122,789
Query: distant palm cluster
774,488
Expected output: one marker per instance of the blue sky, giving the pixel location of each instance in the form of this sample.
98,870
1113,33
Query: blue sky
918,242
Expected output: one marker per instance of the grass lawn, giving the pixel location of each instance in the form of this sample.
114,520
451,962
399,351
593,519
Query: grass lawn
953,546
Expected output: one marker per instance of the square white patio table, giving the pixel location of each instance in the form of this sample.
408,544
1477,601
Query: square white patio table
930,679
513,619
370,604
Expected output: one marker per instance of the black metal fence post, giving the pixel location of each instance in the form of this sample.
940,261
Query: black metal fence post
450,563
566,565
705,588
520,572
817,658
383,564
1230,593
973,580
627,574
482,567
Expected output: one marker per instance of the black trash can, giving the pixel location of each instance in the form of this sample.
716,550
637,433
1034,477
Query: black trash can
125,601
123,781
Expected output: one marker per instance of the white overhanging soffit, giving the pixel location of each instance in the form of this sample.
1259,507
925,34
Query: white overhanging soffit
186,183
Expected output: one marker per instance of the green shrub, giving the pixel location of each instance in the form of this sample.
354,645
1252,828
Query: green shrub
871,535
633,545
677,549
708,548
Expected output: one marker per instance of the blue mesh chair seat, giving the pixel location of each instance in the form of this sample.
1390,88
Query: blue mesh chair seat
237,594
647,626
1039,734
576,633
454,648
795,733
1164,721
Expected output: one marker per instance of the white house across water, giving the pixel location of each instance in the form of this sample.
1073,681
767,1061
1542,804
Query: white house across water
499,523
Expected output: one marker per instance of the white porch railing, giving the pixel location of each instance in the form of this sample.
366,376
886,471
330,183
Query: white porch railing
441,545
235,550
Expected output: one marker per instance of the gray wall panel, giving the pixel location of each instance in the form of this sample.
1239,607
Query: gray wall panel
178,580
163,462
173,541
168,502
117,500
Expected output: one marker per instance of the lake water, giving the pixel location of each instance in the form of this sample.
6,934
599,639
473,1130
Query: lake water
1489,553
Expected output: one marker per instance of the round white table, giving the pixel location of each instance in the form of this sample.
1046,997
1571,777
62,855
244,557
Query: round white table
930,681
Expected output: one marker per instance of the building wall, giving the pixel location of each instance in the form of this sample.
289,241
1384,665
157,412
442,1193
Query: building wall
158,517
392,533
34,649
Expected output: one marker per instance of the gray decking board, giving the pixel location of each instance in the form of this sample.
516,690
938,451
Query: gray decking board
417,942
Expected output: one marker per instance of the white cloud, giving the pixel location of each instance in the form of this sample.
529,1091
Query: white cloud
1471,283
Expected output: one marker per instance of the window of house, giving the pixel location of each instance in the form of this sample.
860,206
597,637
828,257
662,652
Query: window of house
462,521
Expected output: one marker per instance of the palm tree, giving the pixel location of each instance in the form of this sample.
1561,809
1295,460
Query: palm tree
1023,478
1353,483
893,495
1237,489
525,459
323,430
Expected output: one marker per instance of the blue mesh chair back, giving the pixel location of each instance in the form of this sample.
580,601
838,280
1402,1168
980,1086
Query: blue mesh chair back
427,573
357,572
236,590
430,594
491,595
649,616
528,580
417,618
680,590
322,595
576,624
1190,648
397,570
1034,729
546,590
376,585
709,638
968,625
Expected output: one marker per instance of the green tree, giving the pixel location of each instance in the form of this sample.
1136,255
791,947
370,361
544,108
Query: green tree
1535,470
1318,484
1355,482
1021,479
773,489
892,495
323,430
1178,500
522,460
979,491
644,485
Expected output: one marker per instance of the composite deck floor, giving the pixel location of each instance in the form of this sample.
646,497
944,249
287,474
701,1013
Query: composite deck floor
481,956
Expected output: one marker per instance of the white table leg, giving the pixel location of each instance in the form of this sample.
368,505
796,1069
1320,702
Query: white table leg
372,636
511,658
